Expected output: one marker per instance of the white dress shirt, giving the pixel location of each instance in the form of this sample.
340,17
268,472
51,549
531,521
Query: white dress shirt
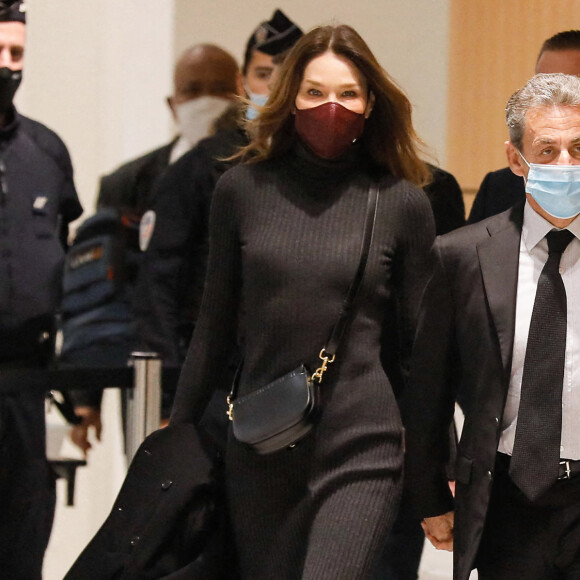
533,255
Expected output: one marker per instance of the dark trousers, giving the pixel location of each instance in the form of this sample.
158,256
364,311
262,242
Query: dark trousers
539,541
27,487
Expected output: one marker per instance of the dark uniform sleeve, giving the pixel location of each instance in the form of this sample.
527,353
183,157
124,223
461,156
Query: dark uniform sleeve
111,189
131,186
205,368
69,205
71,209
499,191
172,275
479,208
446,200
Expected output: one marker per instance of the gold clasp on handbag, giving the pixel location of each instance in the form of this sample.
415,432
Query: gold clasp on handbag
326,360
230,408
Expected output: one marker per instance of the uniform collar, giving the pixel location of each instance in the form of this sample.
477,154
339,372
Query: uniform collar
7,131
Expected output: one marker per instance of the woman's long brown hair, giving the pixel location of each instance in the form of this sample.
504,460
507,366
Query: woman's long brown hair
389,137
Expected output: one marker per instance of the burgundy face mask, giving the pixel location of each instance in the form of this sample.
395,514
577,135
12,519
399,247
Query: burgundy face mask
329,129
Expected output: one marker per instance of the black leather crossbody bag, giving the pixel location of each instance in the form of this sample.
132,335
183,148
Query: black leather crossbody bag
282,412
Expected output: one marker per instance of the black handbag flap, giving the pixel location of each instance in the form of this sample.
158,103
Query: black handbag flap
273,408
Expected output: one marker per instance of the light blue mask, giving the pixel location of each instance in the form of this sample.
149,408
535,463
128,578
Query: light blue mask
257,99
556,188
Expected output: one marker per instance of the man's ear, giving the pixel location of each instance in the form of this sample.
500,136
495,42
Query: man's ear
370,105
515,161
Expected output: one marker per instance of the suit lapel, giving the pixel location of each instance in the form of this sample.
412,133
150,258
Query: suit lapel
499,259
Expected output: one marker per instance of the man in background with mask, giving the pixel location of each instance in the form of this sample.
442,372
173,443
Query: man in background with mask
206,80
37,201
499,325
501,189
173,273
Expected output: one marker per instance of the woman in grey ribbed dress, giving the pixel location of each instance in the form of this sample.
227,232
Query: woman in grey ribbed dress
285,236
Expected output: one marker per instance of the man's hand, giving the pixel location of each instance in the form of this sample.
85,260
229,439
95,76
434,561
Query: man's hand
439,530
79,433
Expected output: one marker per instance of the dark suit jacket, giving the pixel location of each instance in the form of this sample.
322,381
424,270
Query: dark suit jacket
464,345
498,191
131,185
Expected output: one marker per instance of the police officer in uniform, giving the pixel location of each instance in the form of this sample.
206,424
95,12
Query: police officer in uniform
37,201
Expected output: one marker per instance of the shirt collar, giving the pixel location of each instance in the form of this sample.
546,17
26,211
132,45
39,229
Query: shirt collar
535,227
180,148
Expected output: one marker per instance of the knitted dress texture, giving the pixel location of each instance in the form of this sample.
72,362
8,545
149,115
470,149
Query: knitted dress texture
285,239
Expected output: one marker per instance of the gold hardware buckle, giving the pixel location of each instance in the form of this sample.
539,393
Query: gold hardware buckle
230,408
326,360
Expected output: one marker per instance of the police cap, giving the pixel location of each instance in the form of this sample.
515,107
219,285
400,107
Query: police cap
273,36
12,11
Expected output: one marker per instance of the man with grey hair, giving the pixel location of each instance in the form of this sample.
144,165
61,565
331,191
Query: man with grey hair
496,329
501,189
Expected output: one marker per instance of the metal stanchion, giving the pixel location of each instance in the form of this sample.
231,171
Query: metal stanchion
144,400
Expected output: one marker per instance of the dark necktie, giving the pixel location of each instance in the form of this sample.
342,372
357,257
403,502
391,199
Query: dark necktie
536,453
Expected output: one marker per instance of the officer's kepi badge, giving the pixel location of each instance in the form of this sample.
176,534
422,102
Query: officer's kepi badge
146,228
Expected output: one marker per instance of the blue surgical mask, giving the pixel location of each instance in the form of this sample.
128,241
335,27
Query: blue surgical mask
556,188
257,99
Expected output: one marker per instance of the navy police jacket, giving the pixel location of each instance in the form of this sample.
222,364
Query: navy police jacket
37,201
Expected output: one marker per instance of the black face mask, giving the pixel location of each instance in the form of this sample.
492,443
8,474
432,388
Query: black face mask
9,82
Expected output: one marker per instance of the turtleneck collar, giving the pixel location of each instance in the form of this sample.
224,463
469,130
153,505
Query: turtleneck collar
313,168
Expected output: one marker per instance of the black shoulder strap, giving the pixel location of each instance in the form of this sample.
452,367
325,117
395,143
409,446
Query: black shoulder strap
328,352
347,306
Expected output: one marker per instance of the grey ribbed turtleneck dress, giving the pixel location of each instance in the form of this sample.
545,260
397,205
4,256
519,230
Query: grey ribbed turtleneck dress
285,238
